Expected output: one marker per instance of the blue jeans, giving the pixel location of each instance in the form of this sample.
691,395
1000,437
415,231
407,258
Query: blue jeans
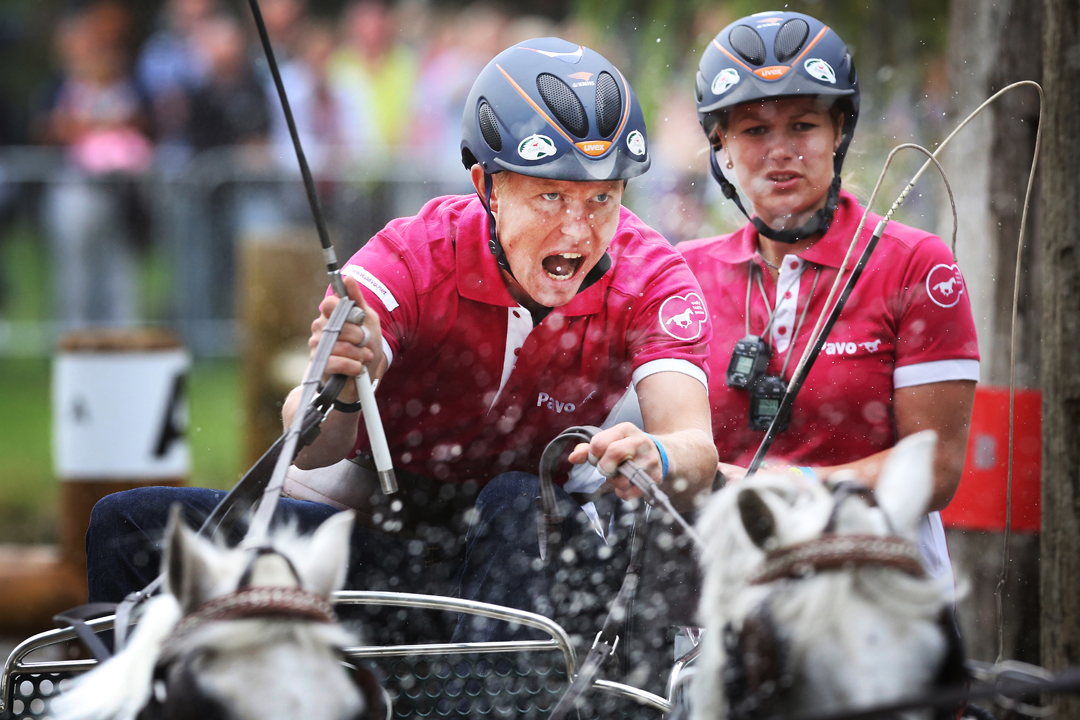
499,562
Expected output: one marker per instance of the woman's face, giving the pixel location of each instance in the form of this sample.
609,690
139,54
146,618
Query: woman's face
782,151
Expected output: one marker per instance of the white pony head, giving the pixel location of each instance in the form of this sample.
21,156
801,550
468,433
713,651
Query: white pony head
799,640
236,635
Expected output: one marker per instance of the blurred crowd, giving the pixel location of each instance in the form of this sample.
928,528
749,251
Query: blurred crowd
379,81
378,89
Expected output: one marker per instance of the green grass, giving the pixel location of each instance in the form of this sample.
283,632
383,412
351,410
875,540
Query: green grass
27,485
24,264
215,431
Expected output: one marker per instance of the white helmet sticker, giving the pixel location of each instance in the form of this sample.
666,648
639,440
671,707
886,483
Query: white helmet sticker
636,142
820,70
535,147
725,80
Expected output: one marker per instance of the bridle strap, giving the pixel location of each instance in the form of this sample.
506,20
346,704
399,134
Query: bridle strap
258,553
843,491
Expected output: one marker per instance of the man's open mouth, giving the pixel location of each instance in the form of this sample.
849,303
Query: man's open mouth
562,266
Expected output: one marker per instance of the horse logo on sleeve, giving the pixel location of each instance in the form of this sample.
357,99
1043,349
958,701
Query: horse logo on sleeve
683,316
945,285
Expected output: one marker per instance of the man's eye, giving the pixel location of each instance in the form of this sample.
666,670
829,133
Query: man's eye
602,198
550,196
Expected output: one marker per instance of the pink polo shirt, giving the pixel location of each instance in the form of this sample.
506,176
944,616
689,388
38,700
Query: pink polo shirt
907,322
474,389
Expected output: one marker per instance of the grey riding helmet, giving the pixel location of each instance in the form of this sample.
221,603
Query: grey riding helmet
772,55
552,109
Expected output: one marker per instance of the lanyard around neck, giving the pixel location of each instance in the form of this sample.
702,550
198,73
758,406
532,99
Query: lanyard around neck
773,310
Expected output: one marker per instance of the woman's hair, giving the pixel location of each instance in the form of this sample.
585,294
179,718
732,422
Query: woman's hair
721,118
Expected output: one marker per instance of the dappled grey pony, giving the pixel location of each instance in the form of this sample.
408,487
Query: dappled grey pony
238,634
815,597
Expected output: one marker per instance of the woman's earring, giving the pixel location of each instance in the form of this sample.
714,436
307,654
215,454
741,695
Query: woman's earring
730,165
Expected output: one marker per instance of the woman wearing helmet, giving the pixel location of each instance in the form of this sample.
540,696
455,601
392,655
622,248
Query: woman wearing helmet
778,98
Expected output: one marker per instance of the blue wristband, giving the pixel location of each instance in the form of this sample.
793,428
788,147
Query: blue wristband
808,472
663,457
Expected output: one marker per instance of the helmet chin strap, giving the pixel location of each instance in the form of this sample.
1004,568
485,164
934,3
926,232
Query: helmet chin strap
819,222
493,241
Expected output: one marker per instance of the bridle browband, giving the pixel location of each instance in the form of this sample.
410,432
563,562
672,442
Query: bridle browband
247,602
287,603
836,552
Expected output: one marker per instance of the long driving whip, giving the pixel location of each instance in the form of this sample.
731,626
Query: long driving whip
364,388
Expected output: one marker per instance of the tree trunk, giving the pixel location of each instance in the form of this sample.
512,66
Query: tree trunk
1060,239
991,46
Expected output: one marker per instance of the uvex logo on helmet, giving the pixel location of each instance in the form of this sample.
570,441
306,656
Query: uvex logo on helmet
582,78
773,72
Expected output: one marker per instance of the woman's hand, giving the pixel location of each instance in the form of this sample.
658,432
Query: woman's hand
731,473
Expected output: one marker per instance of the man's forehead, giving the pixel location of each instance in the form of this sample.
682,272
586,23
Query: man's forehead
539,184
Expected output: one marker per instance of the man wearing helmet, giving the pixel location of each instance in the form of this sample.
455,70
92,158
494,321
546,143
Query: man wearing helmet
778,98
497,321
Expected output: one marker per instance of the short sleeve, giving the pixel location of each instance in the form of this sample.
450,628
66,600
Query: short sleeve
383,272
671,321
936,338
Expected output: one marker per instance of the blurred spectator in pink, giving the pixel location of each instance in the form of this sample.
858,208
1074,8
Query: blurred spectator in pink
461,47
378,70
98,117
169,69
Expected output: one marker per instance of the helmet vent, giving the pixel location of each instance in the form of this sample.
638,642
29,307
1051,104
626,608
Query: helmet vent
489,126
563,103
608,104
790,38
745,41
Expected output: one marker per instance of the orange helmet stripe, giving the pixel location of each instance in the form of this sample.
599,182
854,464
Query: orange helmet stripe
534,105
812,44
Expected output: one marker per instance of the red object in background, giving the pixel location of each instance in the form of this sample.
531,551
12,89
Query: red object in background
979,503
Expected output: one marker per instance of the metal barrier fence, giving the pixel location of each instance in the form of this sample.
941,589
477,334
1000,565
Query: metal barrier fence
96,231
